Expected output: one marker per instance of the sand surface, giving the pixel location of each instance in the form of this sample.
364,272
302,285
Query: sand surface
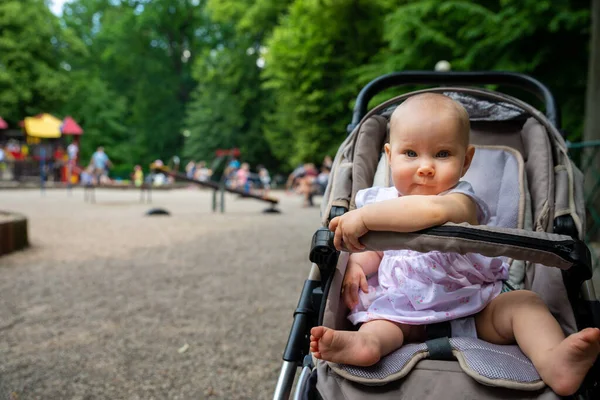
106,300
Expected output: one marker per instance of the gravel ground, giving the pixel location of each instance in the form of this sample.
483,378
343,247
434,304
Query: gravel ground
106,299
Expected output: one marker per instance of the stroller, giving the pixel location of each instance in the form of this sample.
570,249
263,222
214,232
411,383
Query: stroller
537,224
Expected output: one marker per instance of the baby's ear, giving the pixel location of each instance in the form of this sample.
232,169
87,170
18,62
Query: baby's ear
468,158
388,152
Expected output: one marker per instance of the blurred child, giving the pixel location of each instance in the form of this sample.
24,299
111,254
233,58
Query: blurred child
138,176
190,169
87,176
265,179
241,176
202,172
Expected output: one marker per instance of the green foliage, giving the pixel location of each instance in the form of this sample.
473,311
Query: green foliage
102,112
137,74
529,36
309,69
142,53
228,107
33,47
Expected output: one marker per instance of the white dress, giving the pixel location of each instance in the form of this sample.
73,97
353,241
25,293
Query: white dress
424,288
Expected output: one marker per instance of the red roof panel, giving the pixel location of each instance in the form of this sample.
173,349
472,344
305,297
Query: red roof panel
70,127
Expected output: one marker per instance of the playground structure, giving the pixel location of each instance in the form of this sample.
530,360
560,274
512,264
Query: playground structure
219,187
89,191
38,149
172,169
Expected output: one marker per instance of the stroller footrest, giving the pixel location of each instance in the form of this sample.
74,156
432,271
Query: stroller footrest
490,364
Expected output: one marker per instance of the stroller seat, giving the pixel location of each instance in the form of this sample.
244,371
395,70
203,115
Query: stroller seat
497,174
522,172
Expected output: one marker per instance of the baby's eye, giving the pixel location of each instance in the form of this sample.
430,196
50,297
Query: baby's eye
410,153
443,154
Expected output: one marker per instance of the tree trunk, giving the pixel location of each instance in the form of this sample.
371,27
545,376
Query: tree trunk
592,110
592,116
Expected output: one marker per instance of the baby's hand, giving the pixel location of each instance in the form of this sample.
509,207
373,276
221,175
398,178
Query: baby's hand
348,228
354,278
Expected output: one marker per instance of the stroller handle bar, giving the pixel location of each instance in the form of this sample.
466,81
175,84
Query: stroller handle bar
394,79
545,248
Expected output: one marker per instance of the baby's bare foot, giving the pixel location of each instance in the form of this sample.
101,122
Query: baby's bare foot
568,363
344,347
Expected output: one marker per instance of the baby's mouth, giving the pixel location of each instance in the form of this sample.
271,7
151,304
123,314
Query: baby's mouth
425,183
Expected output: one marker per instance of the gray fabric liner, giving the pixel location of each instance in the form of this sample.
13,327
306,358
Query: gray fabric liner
512,368
365,161
540,173
427,242
485,110
492,175
429,380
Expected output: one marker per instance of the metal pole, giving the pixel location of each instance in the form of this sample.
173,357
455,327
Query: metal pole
42,166
285,381
214,200
69,174
222,197
300,386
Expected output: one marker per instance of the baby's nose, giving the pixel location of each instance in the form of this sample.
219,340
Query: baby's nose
426,170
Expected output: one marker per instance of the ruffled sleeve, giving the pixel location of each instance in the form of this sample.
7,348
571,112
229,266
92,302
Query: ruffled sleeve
464,187
374,194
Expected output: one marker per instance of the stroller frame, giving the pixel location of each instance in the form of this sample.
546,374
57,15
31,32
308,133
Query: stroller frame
323,255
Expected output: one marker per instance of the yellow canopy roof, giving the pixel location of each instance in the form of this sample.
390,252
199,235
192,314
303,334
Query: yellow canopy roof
44,126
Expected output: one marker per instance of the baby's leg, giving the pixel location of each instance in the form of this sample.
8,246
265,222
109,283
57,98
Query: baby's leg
523,317
364,347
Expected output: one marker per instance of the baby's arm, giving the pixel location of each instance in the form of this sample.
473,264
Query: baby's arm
359,266
413,213
403,214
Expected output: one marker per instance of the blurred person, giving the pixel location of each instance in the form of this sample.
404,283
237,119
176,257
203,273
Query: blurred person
241,177
101,163
202,172
265,179
322,180
59,162
293,178
87,176
190,169
138,176
230,172
72,153
2,161
234,163
305,183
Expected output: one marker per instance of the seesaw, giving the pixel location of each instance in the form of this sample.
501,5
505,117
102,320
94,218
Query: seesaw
219,187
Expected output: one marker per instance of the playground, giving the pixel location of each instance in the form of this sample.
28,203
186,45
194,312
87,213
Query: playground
109,303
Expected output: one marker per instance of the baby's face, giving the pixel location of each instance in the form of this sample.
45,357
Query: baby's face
427,155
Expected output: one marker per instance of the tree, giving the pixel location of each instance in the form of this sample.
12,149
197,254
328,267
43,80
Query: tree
143,51
527,36
309,68
33,47
226,108
592,118
229,103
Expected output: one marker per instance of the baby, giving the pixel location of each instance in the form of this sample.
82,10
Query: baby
428,153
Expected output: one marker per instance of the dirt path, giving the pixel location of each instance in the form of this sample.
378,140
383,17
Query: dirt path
100,305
